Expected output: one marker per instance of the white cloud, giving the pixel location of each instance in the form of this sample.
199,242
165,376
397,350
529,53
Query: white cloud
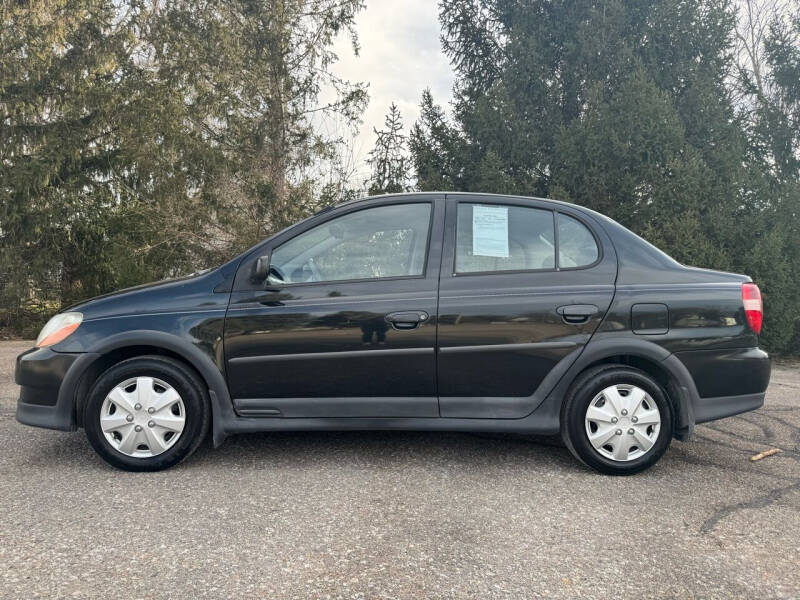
400,56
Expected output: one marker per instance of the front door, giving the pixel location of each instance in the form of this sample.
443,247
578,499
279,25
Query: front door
345,325
524,284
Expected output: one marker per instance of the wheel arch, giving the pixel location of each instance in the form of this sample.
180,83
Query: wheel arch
646,356
116,348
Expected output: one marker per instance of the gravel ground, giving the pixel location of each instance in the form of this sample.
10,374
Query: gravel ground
404,515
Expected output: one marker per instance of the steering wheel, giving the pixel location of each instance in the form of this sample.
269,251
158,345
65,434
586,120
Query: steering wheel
277,273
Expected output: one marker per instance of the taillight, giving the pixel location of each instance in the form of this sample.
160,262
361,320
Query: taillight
753,308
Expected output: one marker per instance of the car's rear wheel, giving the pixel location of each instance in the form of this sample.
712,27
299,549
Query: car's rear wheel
617,419
146,414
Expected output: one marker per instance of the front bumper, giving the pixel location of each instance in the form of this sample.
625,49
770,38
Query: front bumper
47,381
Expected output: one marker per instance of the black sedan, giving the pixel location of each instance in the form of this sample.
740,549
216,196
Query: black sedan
431,311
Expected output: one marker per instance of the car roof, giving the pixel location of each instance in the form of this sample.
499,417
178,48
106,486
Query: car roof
367,199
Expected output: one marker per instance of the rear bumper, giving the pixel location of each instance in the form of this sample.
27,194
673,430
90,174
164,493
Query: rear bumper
710,409
45,378
728,382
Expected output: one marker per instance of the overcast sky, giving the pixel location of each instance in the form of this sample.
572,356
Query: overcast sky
400,56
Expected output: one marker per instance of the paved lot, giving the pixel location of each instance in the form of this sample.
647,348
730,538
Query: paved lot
403,515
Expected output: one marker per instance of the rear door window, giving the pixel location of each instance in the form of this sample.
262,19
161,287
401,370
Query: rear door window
495,237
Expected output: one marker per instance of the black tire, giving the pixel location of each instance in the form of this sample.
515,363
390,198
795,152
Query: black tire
573,414
170,371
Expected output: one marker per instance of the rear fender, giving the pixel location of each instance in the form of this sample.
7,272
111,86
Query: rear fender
601,347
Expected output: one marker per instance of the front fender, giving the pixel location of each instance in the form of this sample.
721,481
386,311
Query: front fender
221,406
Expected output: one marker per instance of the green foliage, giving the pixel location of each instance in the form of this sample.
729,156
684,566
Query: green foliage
434,148
76,109
775,176
388,160
626,107
250,74
141,139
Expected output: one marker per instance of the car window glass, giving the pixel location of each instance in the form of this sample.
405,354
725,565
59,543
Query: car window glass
503,238
385,241
576,244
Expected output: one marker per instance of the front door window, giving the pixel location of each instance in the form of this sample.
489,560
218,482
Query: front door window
375,243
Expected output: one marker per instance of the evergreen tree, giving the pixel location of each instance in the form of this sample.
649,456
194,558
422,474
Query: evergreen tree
252,73
627,108
141,139
388,159
84,142
433,144
772,113
535,79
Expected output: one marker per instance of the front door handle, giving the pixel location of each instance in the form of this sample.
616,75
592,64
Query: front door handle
575,314
407,319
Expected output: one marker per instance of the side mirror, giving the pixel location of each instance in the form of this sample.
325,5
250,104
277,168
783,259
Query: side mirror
274,281
260,269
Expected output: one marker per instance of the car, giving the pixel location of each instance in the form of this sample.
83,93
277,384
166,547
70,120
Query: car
421,311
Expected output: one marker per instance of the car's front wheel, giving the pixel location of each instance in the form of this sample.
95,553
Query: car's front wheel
617,419
146,414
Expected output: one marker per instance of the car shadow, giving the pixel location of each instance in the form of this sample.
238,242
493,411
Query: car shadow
387,448
331,449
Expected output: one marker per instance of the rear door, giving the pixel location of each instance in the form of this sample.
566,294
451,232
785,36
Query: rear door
346,325
524,284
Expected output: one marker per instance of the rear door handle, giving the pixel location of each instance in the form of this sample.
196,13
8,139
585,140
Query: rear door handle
575,314
407,319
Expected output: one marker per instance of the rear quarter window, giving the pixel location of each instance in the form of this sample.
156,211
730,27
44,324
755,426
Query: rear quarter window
576,244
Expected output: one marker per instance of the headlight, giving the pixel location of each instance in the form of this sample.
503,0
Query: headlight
58,328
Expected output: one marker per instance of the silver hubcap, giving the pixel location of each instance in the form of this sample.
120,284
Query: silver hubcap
623,422
142,417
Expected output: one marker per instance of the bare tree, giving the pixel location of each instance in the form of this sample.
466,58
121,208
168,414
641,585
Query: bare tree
750,78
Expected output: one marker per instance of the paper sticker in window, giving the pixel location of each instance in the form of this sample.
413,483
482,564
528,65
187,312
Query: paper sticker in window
490,231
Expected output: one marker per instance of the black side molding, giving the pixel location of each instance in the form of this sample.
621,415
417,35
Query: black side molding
504,347
340,354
